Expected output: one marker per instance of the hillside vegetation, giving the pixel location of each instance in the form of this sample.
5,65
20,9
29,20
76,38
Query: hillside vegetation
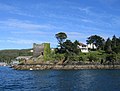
8,55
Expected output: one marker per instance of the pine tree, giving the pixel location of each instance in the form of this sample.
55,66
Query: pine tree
107,47
114,42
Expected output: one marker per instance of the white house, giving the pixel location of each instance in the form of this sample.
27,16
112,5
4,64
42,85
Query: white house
91,46
83,47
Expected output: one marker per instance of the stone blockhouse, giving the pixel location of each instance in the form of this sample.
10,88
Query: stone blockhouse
39,49
83,47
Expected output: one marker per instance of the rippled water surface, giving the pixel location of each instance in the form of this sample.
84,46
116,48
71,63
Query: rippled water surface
59,80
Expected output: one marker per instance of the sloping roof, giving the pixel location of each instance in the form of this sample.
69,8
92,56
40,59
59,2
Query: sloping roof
81,44
24,57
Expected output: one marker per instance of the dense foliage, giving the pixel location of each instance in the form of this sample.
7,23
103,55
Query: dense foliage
108,51
97,40
8,55
61,37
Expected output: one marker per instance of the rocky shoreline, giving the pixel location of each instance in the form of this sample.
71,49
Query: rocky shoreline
62,67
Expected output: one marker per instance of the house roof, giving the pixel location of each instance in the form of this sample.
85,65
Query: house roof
81,44
24,57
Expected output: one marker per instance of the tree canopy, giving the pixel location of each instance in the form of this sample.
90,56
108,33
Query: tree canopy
71,47
61,37
108,45
97,40
112,45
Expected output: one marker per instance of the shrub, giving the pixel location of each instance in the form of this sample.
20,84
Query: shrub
46,51
92,57
59,57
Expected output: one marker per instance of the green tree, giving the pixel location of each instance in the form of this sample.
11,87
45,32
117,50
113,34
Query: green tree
76,43
71,47
118,41
68,46
61,37
76,49
107,47
97,40
114,42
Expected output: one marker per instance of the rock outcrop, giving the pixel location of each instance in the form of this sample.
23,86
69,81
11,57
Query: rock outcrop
67,67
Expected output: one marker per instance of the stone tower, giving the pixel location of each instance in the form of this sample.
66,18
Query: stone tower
41,49
38,49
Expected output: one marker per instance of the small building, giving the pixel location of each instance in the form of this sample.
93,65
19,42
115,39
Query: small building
14,62
19,59
83,48
3,64
23,57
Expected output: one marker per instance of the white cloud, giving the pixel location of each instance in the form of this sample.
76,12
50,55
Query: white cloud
6,7
76,35
20,41
108,2
14,10
34,33
27,42
87,20
116,21
19,12
24,25
86,9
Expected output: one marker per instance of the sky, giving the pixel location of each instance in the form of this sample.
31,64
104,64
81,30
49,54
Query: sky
24,22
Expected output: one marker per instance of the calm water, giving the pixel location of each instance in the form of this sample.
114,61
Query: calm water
59,80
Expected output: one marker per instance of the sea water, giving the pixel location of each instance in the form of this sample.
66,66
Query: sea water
59,80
